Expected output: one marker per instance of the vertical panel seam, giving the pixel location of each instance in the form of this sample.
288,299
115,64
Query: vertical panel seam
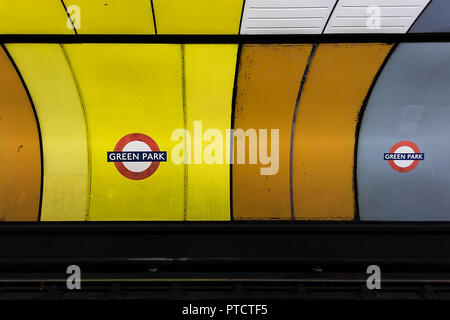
22,80
185,165
329,17
294,119
68,15
358,130
87,131
154,16
242,16
233,114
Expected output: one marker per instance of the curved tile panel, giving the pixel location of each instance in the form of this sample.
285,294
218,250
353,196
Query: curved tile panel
198,16
210,71
410,102
435,18
374,16
113,17
63,128
34,17
20,155
267,88
286,16
323,156
127,89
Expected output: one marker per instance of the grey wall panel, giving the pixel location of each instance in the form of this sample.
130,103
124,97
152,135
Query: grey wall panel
410,101
435,18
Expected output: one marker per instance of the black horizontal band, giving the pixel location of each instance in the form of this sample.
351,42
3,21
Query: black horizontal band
224,39
225,246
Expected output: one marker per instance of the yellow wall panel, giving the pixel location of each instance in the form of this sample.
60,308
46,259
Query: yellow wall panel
127,89
209,80
113,16
198,16
267,89
20,154
33,17
323,158
50,82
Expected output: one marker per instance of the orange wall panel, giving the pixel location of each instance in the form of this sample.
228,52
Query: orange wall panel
20,157
336,85
267,88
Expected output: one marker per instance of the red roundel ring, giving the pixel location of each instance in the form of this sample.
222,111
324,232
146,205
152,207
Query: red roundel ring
414,164
121,167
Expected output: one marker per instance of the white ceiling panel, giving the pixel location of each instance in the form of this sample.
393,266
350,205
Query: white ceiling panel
285,16
374,16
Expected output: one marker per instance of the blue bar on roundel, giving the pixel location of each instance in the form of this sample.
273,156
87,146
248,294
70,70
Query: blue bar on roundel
136,156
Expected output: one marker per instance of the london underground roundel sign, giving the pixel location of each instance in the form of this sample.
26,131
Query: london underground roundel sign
404,156
136,156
